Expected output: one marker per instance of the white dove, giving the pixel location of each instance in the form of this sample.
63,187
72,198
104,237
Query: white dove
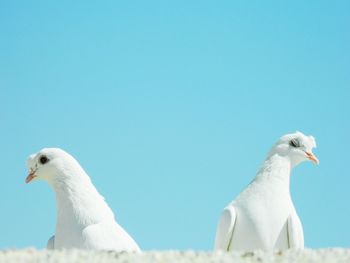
263,215
84,220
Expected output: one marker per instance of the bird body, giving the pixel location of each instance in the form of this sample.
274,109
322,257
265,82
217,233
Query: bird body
263,194
84,220
263,215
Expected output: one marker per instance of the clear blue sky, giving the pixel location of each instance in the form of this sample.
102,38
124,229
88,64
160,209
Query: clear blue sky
171,107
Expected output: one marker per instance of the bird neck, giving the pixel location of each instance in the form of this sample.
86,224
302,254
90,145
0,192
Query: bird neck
275,169
78,201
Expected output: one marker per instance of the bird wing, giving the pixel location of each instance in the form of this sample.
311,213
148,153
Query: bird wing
51,243
108,236
295,231
225,229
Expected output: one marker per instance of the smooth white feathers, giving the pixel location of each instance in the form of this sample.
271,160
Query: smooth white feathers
84,220
263,215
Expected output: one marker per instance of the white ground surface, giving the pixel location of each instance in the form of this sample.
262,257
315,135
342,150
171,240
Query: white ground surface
58,256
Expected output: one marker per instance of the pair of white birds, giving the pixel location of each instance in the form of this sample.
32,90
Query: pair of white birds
261,217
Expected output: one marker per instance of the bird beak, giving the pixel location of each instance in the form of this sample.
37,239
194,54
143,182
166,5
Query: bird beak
312,157
31,176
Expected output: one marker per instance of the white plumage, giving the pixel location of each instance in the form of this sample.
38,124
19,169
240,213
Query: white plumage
263,215
84,220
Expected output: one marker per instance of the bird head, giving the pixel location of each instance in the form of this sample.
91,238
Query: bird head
50,164
297,147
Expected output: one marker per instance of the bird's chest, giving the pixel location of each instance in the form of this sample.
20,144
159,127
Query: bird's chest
68,233
262,216
267,200
268,213
71,221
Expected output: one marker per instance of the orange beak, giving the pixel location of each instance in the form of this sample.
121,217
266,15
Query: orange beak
312,157
30,177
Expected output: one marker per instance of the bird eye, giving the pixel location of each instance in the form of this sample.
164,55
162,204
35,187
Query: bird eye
294,143
43,159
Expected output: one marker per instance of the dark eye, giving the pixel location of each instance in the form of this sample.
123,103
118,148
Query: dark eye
43,159
294,143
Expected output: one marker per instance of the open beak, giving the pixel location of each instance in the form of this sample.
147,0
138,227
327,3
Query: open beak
312,157
31,176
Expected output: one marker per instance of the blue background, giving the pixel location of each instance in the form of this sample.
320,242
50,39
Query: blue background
171,108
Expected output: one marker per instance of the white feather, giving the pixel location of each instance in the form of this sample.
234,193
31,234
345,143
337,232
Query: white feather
84,220
263,215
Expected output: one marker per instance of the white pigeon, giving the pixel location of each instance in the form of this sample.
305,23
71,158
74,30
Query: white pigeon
84,220
263,215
